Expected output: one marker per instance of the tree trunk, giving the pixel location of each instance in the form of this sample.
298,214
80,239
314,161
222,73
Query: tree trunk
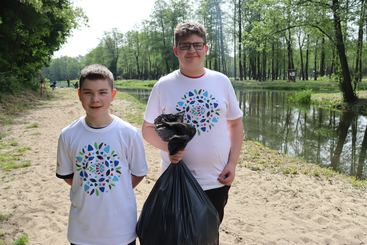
358,65
322,58
307,57
240,39
273,61
264,64
346,84
234,42
300,45
315,62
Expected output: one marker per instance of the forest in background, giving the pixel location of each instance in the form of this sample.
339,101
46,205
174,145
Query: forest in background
248,40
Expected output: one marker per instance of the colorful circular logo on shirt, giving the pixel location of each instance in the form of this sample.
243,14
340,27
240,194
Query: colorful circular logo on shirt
99,168
201,109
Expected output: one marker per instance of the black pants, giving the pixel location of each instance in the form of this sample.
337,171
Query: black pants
219,198
131,243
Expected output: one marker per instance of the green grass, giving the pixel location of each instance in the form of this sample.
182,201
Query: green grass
11,156
33,125
322,84
12,105
135,112
257,157
4,217
135,84
335,101
301,97
22,240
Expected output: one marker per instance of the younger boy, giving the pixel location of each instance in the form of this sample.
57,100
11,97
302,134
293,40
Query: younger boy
102,158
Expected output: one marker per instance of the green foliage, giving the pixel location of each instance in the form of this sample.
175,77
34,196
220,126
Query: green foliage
22,240
301,97
63,68
30,32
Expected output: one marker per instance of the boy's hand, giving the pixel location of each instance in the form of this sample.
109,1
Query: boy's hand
228,174
177,157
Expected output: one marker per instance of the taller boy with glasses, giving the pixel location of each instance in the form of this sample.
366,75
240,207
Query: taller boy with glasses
209,102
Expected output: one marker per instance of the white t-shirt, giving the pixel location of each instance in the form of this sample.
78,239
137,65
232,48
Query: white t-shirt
103,204
208,102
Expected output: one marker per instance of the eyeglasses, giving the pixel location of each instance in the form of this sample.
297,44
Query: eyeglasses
187,46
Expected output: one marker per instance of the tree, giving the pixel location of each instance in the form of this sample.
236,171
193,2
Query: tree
30,31
63,68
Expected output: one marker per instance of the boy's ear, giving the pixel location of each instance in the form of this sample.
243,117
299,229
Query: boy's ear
78,90
206,46
114,92
175,50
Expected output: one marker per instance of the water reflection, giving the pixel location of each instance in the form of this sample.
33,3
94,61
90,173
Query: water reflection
329,138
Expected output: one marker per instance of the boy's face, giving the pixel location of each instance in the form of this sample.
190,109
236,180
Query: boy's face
191,52
96,97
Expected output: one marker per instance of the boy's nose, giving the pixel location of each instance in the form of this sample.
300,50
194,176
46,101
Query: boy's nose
95,98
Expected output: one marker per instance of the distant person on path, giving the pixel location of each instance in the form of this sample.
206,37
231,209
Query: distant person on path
102,158
209,103
53,85
68,81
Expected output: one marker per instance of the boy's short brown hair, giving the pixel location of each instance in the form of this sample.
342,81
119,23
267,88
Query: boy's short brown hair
186,29
95,72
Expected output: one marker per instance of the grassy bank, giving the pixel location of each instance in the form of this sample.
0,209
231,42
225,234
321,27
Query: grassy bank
135,84
11,106
321,85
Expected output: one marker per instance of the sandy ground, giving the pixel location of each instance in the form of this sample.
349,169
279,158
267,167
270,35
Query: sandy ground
264,207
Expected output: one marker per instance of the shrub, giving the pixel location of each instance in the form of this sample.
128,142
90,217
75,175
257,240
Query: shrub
302,97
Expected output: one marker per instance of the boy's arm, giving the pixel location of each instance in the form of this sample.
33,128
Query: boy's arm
136,180
235,128
152,137
69,181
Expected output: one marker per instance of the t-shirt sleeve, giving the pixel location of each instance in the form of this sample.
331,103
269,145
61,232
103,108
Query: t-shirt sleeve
64,168
153,108
136,156
233,110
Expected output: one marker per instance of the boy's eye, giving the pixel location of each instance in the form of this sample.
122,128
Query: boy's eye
198,46
187,46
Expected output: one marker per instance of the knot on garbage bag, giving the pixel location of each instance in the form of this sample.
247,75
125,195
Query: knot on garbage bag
172,129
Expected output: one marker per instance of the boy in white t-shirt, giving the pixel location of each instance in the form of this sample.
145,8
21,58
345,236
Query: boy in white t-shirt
102,158
208,100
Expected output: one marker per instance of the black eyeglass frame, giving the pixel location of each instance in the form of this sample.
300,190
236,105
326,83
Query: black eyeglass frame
187,46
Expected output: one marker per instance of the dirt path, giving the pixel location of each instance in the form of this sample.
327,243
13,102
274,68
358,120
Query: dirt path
264,208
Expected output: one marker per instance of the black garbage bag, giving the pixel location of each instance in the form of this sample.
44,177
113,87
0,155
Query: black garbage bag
177,211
